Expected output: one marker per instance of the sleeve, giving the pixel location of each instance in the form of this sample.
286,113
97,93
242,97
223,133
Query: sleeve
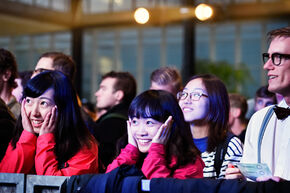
154,165
233,155
20,159
129,155
83,162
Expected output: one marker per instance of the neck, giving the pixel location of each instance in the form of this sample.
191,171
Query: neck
237,127
287,100
199,131
5,94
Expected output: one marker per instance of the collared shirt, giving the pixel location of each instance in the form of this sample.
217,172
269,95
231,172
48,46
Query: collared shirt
275,147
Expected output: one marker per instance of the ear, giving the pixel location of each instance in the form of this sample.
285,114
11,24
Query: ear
236,112
119,94
6,75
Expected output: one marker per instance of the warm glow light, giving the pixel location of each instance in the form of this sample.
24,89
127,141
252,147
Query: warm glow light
203,12
141,15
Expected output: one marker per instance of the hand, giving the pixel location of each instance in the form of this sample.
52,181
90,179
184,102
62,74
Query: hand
274,178
49,123
163,132
233,173
131,139
25,121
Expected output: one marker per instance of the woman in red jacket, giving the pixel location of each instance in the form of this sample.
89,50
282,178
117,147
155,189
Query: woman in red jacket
159,140
50,137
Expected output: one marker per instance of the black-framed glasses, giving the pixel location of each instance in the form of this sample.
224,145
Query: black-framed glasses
193,96
275,57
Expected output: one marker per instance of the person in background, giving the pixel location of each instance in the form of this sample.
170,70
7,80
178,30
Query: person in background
116,91
205,105
7,122
274,145
263,98
166,78
21,82
237,117
8,73
156,129
50,136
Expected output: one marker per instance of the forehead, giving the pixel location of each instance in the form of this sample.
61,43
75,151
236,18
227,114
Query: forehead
156,86
280,44
195,85
45,63
108,82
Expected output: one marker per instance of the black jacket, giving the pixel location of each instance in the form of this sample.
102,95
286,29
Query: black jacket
109,128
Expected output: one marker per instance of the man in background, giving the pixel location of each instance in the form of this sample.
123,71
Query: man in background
115,93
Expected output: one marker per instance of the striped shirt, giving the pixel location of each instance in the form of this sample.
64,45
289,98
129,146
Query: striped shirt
233,155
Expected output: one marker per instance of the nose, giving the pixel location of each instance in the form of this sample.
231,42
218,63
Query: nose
142,131
97,93
35,111
268,65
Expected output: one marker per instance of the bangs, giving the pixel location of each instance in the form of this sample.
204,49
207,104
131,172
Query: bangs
37,85
148,107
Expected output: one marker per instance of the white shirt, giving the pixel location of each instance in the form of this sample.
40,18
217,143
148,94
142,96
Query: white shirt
275,147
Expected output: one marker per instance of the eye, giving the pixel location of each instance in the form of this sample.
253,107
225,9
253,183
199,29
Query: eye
134,121
28,101
44,103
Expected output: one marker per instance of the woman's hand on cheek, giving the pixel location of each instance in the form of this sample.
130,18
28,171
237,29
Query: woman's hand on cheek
25,121
163,132
49,123
131,139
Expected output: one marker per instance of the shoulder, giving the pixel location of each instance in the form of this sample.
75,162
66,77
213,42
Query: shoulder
235,146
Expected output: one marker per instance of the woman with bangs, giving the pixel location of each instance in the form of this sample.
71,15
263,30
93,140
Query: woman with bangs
205,105
159,140
50,137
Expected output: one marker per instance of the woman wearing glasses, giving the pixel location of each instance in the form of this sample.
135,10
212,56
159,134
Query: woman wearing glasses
205,105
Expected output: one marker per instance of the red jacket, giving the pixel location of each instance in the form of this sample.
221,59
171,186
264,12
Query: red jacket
154,165
34,153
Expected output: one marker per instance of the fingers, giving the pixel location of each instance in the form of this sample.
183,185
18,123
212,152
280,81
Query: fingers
131,139
25,121
49,123
163,132
233,173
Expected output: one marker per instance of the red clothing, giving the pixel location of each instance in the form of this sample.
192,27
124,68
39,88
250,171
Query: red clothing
32,151
154,165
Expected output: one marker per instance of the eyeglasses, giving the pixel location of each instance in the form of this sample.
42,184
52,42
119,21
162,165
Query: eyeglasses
275,57
193,96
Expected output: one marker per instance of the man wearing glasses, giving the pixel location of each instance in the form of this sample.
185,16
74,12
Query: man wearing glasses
271,145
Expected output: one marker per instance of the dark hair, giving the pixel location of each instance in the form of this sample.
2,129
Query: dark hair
263,92
71,132
239,101
281,32
124,82
8,62
218,112
62,62
25,77
167,76
159,105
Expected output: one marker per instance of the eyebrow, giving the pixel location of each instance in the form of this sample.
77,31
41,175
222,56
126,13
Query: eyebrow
196,89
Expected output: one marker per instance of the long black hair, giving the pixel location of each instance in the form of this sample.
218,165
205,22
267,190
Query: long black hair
159,105
71,132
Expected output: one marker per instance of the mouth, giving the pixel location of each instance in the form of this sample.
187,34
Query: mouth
36,123
187,109
272,77
144,142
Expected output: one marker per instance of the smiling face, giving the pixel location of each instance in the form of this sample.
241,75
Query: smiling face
194,110
144,130
37,108
279,76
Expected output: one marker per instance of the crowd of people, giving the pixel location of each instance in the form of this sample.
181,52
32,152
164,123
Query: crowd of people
169,131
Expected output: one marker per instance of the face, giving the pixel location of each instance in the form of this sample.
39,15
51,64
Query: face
144,130
263,102
194,110
44,63
279,76
17,92
106,95
37,108
156,86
